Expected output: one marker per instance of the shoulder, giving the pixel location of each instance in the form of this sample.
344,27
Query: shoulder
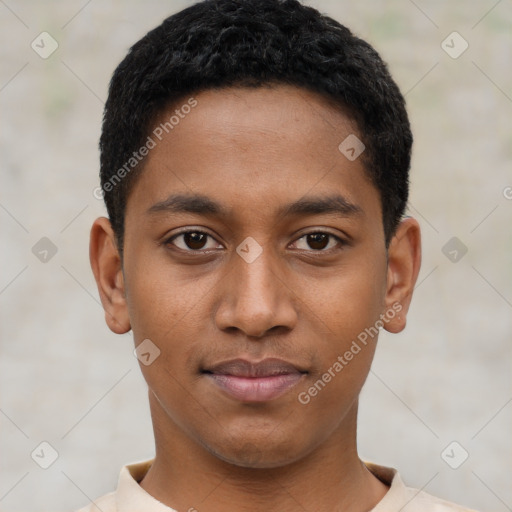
106,503
127,493
406,499
421,501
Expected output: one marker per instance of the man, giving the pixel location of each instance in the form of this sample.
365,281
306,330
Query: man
254,163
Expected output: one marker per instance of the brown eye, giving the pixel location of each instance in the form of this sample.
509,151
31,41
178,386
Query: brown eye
193,241
317,241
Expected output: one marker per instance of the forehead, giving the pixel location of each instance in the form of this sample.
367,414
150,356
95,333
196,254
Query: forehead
252,147
294,114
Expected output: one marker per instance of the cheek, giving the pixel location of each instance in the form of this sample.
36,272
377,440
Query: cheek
171,320
161,299
170,309
346,312
350,301
348,318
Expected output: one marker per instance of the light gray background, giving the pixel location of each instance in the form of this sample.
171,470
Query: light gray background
66,379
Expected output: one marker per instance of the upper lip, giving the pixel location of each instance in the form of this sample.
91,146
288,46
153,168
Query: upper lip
242,368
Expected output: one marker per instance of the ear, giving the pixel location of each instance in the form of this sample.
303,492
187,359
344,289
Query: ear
108,272
404,260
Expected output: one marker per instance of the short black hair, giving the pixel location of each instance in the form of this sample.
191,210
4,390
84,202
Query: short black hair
251,43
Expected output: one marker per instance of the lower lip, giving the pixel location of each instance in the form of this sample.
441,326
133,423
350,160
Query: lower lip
256,389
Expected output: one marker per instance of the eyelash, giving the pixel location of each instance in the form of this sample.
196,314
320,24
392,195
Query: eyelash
170,241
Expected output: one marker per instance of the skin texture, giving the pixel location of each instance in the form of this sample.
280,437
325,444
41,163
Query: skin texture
303,300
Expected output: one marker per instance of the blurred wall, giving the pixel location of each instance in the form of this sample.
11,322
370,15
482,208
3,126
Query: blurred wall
67,380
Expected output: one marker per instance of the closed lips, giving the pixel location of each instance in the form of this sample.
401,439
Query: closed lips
243,368
247,381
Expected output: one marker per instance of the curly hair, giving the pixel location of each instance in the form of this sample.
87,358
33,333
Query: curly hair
251,43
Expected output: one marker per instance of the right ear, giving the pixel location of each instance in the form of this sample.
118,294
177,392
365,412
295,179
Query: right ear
108,272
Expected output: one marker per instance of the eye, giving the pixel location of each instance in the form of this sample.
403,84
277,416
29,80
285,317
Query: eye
318,241
193,241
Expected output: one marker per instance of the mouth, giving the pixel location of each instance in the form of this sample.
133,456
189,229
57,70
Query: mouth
260,381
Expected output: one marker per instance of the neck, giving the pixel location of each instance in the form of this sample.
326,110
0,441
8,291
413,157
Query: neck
187,477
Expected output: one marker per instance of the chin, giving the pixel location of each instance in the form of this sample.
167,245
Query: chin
258,455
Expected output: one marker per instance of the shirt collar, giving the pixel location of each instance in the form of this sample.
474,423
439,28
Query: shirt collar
131,497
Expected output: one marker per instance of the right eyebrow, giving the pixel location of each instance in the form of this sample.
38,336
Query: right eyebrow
197,203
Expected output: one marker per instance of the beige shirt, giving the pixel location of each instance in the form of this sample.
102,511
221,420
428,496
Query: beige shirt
131,497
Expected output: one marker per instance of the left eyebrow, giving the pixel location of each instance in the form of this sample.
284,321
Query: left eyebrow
321,205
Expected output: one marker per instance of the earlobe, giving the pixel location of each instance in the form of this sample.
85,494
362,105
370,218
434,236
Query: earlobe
404,261
107,269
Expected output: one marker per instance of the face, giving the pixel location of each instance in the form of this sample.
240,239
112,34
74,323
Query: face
255,262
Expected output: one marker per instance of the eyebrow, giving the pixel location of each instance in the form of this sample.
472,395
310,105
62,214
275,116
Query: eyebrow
196,203
203,205
336,204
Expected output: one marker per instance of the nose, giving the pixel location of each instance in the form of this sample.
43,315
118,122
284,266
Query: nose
255,299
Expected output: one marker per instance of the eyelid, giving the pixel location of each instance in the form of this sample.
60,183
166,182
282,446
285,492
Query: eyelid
341,241
323,231
169,239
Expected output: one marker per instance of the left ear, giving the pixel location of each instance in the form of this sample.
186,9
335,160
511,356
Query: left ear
404,261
